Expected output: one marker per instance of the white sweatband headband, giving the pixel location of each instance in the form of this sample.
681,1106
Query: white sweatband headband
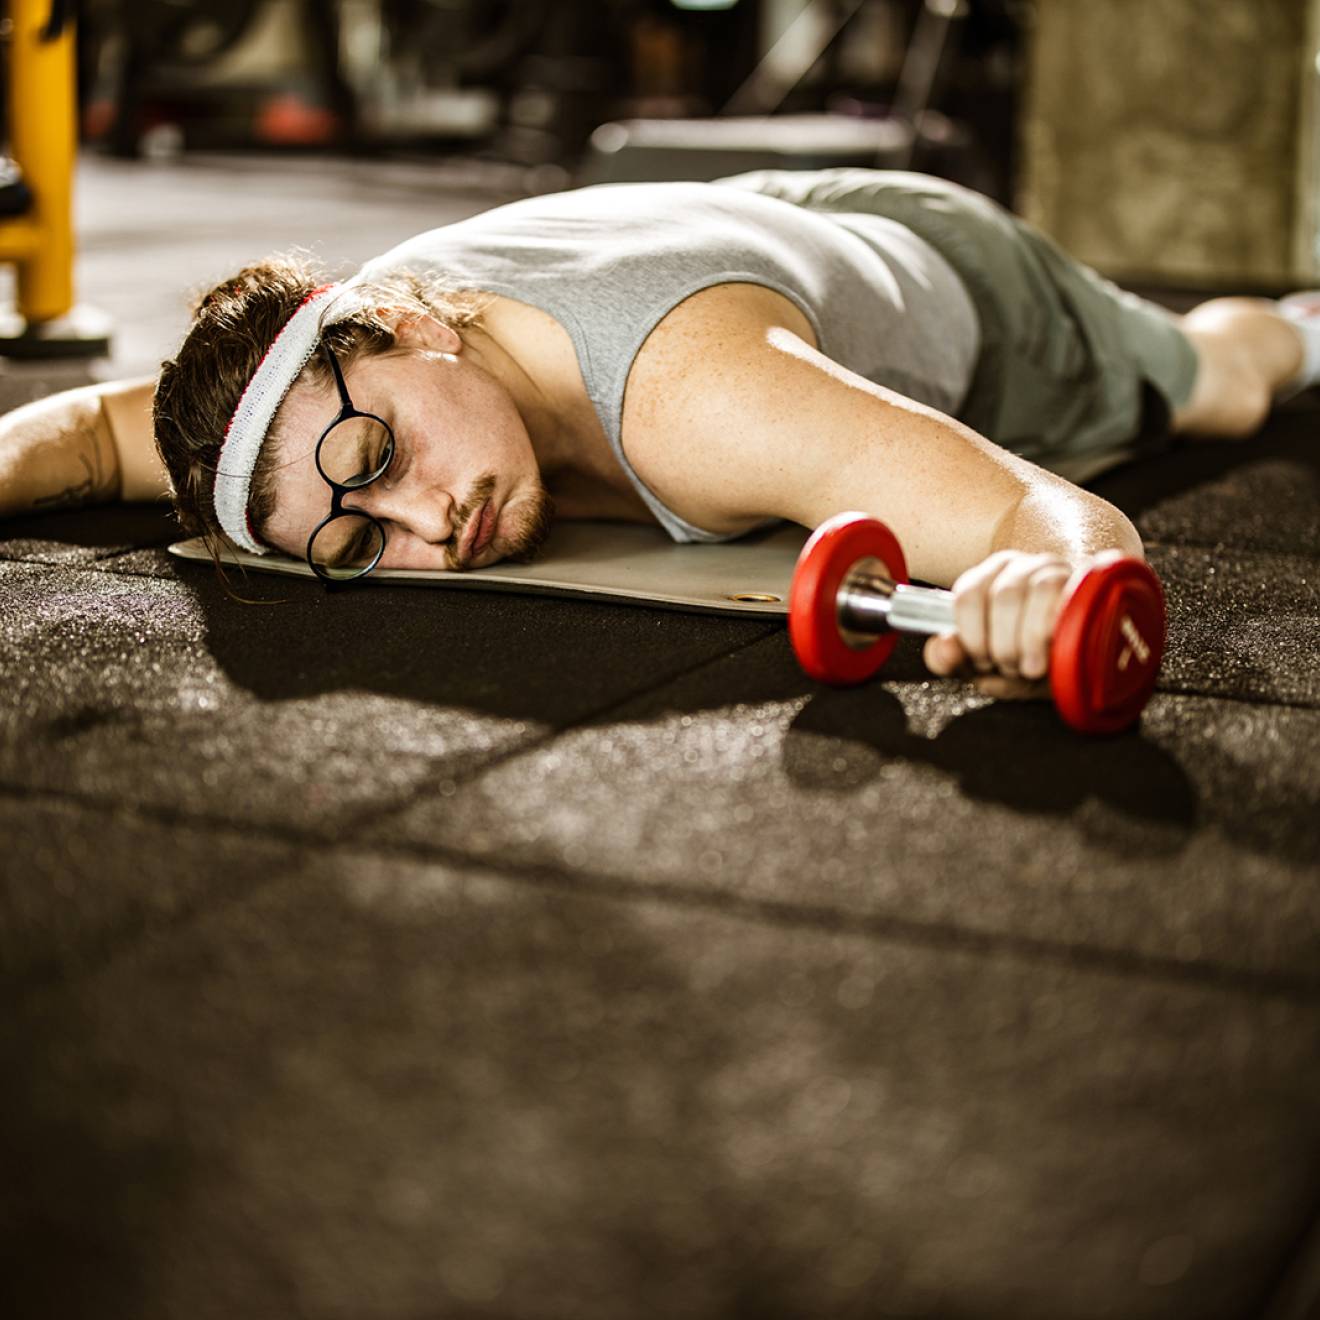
246,431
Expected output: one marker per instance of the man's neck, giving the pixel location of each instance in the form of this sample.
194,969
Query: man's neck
537,393
533,357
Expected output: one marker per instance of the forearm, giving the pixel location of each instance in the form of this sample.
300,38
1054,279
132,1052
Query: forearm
968,498
78,448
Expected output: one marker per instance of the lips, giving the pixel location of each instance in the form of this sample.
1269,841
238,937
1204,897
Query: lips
485,529
479,531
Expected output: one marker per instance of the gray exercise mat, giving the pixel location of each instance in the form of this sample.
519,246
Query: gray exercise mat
619,560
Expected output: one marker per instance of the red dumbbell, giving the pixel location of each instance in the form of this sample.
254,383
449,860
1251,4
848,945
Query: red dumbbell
850,598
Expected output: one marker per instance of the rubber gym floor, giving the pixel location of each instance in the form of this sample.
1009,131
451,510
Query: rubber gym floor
406,953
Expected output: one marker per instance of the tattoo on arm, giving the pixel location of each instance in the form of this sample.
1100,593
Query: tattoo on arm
96,487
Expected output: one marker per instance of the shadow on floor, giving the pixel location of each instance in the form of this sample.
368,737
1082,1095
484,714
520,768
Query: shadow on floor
1021,756
995,754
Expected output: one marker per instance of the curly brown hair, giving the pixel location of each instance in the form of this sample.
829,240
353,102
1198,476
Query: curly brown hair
233,327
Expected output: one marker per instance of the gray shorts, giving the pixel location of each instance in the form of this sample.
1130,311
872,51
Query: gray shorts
1074,373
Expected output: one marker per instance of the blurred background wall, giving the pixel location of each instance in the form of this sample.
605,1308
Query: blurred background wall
1175,138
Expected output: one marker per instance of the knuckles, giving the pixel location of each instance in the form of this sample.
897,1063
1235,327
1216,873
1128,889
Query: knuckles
1006,607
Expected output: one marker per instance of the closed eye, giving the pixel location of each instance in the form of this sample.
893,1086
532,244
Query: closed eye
354,450
398,465
352,548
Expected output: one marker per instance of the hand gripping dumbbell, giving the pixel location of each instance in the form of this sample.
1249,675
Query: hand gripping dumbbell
850,598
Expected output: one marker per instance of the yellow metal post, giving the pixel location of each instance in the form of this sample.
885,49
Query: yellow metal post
43,135
42,99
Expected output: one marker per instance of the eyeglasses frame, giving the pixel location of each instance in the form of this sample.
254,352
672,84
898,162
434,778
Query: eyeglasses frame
338,491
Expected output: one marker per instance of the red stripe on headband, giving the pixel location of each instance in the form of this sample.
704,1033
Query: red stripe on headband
234,415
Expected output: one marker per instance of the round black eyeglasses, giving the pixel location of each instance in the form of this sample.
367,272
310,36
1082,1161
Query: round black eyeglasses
353,451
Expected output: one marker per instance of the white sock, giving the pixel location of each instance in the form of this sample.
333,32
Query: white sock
1303,310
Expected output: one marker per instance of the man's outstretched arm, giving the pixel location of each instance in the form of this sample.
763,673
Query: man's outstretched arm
84,446
732,416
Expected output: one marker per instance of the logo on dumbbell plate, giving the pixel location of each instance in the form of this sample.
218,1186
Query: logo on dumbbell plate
1136,644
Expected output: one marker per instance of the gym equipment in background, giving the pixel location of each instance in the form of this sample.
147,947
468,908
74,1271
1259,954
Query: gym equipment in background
850,599
39,241
154,76
749,135
473,75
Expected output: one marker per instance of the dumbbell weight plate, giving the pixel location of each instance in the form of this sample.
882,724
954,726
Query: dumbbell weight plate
834,548
1107,647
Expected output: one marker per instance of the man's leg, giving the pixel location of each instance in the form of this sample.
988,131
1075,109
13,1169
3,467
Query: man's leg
1246,352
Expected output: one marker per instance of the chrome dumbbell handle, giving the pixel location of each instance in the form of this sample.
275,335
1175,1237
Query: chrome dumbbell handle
870,603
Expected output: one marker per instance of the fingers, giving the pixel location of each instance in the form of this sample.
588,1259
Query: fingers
970,609
1013,689
1040,612
1006,608
944,655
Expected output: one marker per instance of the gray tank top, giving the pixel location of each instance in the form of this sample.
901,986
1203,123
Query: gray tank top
608,262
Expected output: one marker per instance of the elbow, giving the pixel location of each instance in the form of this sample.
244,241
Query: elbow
1064,520
1099,525
1124,533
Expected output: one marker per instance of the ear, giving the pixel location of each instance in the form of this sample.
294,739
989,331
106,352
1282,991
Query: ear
422,331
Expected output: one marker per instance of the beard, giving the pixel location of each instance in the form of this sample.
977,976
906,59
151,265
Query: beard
535,518
526,519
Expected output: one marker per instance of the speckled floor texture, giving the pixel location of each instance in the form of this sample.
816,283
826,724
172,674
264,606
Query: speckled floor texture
405,955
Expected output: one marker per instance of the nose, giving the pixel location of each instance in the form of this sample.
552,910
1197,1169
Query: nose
428,515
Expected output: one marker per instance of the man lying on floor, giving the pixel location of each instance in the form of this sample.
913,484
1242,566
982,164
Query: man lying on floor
709,357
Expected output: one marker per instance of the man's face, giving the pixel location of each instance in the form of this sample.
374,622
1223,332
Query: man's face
464,488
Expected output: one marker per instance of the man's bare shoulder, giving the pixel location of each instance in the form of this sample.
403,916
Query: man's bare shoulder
699,359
